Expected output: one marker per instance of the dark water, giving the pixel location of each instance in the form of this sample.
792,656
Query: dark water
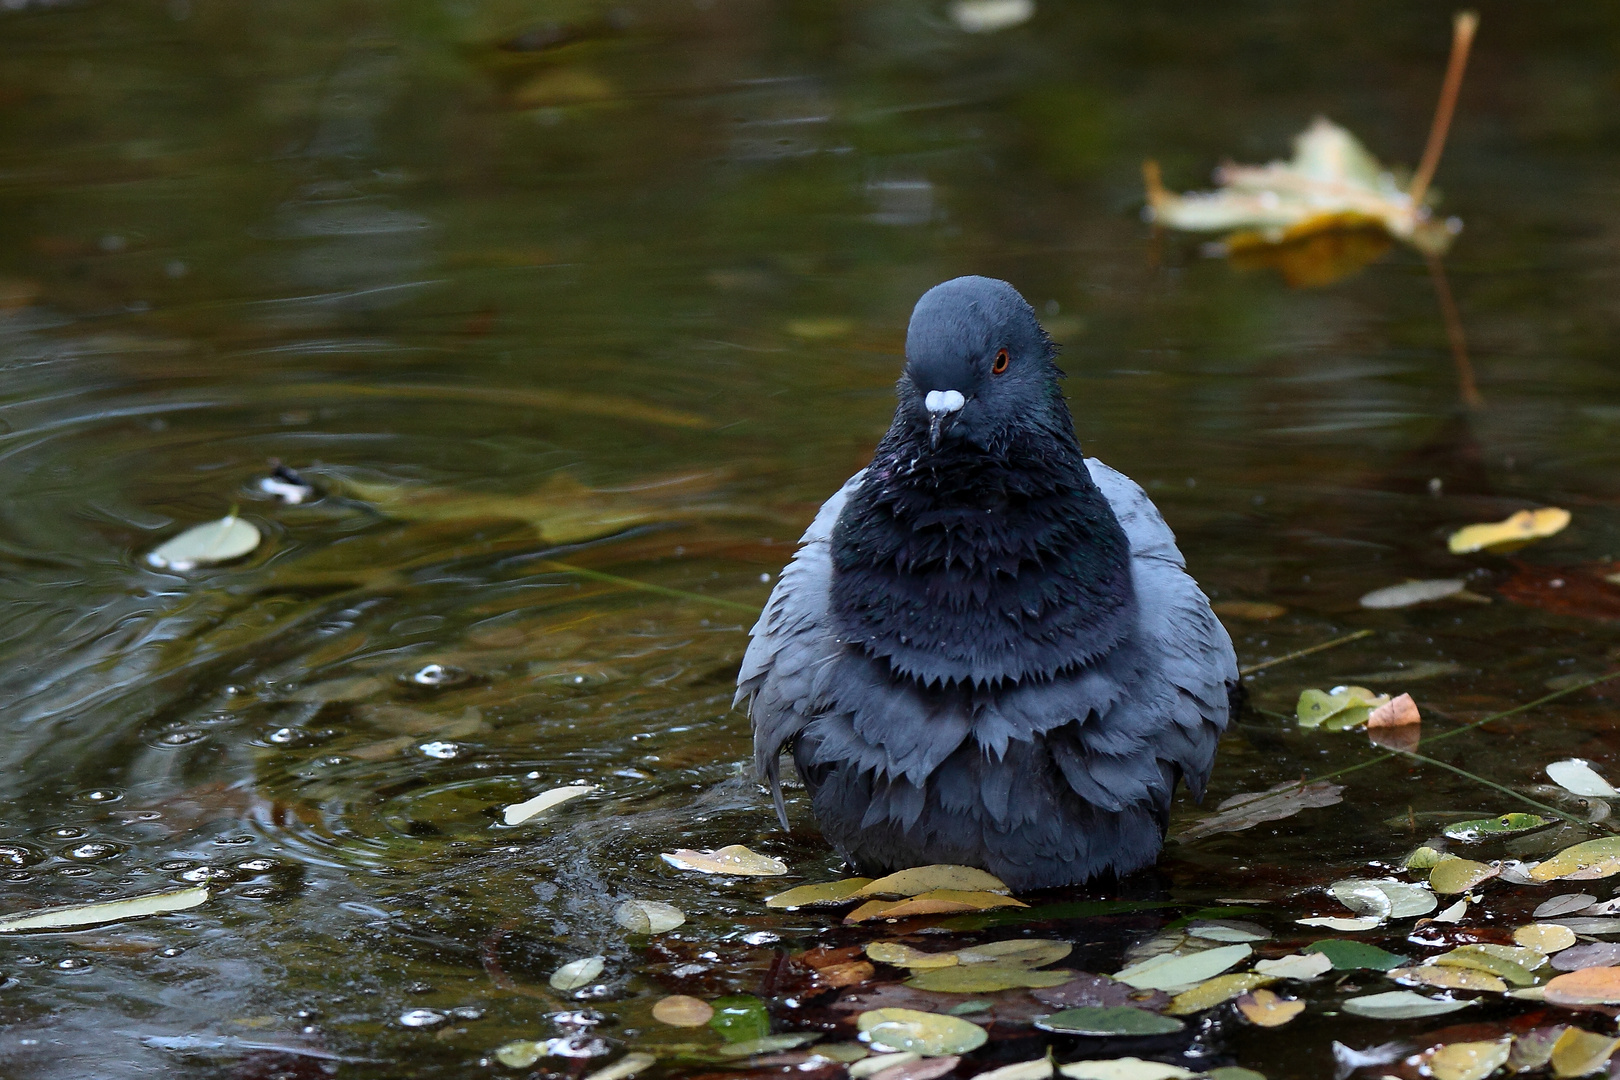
627,285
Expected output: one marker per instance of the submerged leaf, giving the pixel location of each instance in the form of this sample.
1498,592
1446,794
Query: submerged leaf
1025,952
733,859
1176,971
988,16
1583,862
1410,593
206,545
1482,828
926,879
825,894
628,1065
69,916
928,1034
876,1063
768,1044
680,1010
740,1018
1511,533
984,978
1104,1021
578,973
648,916
518,813
1252,808
1401,1005
1578,776
1338,709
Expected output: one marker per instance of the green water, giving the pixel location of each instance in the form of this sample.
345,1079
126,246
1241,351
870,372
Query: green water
624,290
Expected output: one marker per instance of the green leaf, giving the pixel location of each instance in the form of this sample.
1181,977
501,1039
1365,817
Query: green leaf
206,545
929,1034
767,1044
1451,876
1401,1005
985,978
1483,828
740,1018
1338,709
1173,971
1117,1020
821,894
1353,955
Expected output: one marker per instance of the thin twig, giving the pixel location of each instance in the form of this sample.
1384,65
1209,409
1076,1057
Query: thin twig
1462,39
661,590
1262,665
1466,388
1583,822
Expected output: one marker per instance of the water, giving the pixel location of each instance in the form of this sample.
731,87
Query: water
621,290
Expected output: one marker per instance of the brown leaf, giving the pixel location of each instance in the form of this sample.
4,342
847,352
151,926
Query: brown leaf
1588,986
1397,712
1266,1009
851,974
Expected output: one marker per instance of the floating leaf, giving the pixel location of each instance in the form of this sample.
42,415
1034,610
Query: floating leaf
1401,1005
1386,898
825,894
1449,978
1411,593
850,974
628,1065
1399,711
518,813
1353,955
740,1018
924,1069
1252,808
1038,1069
1451,876
1424,858
1584,862
1222,988
1125,1068
1115,1020
1255,611
1578,776
1304,967
1338,709
984,978
928,1034
1503,961
1469,1060
1564,904
1176,971
1025,952
1265,1009
1579,1053
877,1063
648,916
1587,986
1484,828
206,545
733,859
1592,954
1511,533
1227,930
988,16
1591,927
1234,1072
938,902
1454,913
578,973
893,952
679,1010
927,879
1544,938
69,916
768,1044
1336,922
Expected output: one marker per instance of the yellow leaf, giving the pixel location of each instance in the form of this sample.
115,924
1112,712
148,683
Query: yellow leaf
1578,1052
1545,938
1469,1060
824,894
1584,862
1449,978
732,859
1588,986
938,902
1210,993
924,879
892,952
679,1010
928,1034
1265,1009
1459,875
1511,533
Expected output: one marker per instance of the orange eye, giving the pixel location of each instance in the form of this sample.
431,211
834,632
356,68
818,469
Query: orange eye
1001,362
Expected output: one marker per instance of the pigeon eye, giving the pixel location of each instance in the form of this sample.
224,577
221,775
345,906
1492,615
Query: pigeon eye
1001,362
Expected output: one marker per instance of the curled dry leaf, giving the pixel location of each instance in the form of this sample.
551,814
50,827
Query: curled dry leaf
1511,533
1588,861
70,916
648,916
680,1010
927,879
578,973
1578,776
1412,593
1396,712
1266,1009
1586,986
825,894
733,859
1454,913
1252,808
206,545
852,973
1339,709
1401,1005
518,813
1544,938
928,1034
1469,1060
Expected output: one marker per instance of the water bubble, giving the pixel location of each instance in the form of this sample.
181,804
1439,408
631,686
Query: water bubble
92,850
171,952
176,864
467,1013
31,960
438,675
578,1045
259,892
207,873
73,963
68,832
182,737
17,875
12,854
257,866
75,871
762,937
99,795
233,840
286,736
421,1018
441,750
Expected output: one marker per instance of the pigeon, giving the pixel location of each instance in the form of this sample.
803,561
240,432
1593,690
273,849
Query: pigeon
986,650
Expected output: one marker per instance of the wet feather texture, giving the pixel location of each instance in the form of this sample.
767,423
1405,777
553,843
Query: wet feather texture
987,650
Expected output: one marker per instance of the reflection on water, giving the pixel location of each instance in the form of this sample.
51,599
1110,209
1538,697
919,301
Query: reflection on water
574,318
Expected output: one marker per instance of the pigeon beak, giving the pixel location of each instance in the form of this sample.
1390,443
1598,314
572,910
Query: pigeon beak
941,404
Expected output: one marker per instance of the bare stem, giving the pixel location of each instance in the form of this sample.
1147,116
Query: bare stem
1462,39
1466,388
1262,665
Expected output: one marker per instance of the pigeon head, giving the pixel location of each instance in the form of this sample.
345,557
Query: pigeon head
977,365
